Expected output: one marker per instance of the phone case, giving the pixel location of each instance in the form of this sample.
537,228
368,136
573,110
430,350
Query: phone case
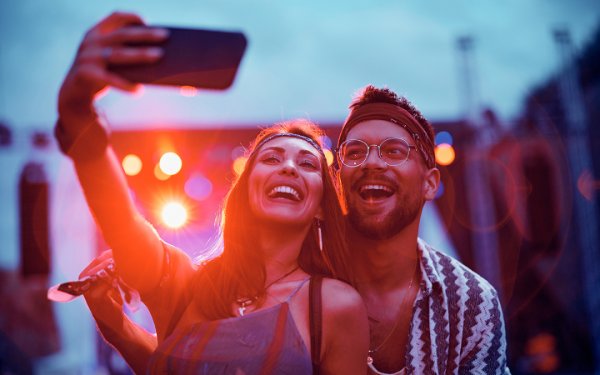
207,59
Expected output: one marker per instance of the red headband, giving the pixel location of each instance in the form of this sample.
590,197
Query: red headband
397,115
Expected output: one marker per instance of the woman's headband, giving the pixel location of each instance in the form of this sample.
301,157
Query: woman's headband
309,140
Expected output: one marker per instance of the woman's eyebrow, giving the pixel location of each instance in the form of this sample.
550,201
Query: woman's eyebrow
272,148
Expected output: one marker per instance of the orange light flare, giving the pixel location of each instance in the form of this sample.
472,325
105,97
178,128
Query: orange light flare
132,164
587,185
444,154
170,163
188,91
328,156
239,164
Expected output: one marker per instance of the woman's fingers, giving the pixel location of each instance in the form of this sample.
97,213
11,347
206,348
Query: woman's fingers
108,43
117,20
135,35
130,55
97,264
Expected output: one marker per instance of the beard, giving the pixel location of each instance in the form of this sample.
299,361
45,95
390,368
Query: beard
378,227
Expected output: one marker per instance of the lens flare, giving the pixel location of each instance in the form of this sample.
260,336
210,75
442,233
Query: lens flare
174,215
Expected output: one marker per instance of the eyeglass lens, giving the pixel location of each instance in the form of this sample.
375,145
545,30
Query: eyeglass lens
393,151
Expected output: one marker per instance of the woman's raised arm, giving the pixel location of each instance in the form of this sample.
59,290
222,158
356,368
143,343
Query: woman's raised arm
136,246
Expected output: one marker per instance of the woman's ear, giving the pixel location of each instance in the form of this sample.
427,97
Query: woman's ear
431,183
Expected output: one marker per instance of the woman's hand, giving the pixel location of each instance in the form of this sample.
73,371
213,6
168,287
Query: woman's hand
104,44
103,298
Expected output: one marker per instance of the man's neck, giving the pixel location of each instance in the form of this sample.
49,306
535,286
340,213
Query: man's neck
384,265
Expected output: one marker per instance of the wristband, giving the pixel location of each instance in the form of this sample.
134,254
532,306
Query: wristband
88,143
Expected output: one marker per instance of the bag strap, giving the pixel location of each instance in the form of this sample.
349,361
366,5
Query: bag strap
315,321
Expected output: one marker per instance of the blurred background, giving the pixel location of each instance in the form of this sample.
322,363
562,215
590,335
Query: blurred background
512,89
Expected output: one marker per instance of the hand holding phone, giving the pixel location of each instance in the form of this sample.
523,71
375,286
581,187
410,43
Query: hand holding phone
201,58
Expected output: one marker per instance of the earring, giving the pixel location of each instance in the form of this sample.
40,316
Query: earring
320,235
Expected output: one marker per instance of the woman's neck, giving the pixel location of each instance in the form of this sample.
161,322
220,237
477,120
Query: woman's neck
280,246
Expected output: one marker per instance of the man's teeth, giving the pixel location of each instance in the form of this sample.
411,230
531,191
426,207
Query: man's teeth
284,190
375,187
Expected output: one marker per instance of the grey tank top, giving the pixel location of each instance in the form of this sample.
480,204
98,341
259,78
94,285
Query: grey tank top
263,342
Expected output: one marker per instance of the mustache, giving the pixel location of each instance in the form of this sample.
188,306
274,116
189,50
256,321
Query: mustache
373,179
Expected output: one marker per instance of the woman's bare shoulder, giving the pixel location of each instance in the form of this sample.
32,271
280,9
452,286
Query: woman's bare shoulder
339,297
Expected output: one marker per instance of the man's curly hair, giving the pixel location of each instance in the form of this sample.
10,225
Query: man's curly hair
372,94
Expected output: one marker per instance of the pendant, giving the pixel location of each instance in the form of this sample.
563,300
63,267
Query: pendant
243,304
369,360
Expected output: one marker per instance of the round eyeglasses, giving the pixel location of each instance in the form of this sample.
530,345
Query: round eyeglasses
393,151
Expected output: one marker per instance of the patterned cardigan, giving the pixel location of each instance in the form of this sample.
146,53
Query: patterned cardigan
457,325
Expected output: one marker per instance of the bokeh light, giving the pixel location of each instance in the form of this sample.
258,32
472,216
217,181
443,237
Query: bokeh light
159,174
239,164
170,163
444,137
328,156
132,164
174,215
188,91
198,187
444,154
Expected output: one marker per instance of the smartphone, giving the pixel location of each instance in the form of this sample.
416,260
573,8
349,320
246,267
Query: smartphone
207,59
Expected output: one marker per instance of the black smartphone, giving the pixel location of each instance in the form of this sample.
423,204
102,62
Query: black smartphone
207,59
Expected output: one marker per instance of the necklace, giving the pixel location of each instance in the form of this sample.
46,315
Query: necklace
243,303
398,319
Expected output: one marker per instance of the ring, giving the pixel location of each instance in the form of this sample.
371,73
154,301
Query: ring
106,53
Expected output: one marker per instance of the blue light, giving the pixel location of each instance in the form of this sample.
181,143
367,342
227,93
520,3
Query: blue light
443,137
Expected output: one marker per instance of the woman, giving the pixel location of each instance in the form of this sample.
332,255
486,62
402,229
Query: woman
246,311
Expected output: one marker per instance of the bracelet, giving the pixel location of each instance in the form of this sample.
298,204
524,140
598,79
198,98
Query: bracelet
88,143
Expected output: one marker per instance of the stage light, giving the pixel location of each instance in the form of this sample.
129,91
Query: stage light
170,163
328,156
132,164
188,91
239,164
174,215
444,154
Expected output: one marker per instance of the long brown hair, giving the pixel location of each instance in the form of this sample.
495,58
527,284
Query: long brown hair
239,271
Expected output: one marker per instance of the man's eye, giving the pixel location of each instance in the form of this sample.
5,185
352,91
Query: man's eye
355,153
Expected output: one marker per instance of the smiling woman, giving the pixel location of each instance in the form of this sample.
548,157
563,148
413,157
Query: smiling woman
247,310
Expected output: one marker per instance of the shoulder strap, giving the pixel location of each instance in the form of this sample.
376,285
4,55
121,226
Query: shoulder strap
316,320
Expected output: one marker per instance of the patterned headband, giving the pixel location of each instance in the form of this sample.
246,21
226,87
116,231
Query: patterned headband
309,140
397,115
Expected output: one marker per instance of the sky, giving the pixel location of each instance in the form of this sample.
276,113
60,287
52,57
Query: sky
304,58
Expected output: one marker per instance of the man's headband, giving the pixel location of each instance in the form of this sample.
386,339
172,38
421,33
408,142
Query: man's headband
397,115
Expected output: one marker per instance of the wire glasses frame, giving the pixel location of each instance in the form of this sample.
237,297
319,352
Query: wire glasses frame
393,151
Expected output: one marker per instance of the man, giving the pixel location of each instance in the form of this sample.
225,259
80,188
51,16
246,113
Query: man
428,313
